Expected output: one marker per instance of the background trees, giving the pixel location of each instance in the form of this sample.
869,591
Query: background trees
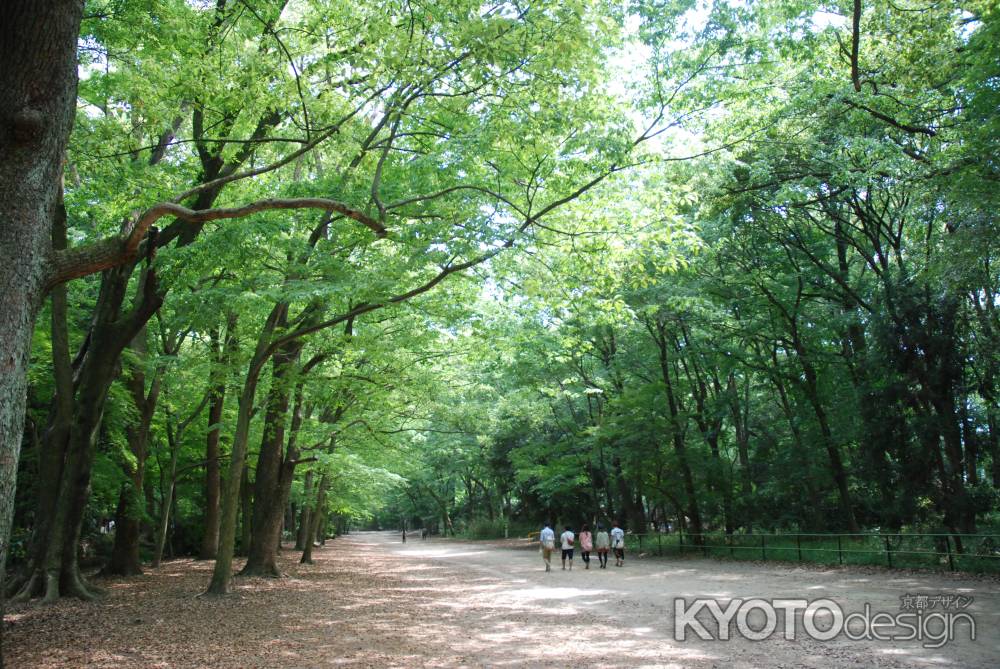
791,335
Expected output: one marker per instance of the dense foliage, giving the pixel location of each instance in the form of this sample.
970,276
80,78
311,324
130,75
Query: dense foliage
728,266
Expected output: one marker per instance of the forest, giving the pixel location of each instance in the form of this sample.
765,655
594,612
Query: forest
275,269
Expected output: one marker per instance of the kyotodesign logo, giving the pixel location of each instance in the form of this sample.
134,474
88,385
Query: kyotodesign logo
932,620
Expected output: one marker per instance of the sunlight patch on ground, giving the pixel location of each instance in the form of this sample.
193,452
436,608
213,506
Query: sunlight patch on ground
542,592
439,552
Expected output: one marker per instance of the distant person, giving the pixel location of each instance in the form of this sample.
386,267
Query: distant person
567,539
548,540
586,545
618,544
602,541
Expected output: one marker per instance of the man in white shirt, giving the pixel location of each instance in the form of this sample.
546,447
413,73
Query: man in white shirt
548,541
567,539
618,544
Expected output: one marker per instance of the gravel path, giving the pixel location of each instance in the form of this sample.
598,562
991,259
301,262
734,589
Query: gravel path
371,601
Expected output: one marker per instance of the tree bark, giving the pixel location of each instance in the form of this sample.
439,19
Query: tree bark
168,500
658,332
315,514
269,504
811,389
246,510
37,107
222,354
128,516
222,573
303,532
741,431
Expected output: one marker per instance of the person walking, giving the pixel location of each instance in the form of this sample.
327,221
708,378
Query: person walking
618,544
586,545
567,539
601,542
547,537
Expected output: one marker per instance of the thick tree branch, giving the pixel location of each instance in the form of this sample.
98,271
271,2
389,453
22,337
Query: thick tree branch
101,255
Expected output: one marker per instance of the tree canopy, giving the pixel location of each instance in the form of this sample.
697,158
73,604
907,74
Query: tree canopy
300,265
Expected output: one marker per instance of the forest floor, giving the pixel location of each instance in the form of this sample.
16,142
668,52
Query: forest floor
371,601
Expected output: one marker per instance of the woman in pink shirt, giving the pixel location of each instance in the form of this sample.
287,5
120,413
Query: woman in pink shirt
586,545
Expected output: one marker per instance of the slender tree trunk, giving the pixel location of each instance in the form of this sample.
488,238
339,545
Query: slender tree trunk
322,521
168,501
222,573
993,440
222,354
658,331
303,533
958,497
815,505
128,516
971,441
314,515
742,433
246,511
811,389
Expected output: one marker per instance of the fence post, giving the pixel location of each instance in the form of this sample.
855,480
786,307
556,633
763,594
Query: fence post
888,552
840,550
704,547
951,560
640,543
680,541
798,544
732,553
763,547
659,544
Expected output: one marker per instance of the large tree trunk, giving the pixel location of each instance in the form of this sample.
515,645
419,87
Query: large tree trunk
269,504
68,453
231,498
222,573
38,80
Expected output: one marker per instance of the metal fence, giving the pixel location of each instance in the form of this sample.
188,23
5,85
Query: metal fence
955,552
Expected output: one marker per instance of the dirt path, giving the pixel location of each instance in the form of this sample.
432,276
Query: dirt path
371,601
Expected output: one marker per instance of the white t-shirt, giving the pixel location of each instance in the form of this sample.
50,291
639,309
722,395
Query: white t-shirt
567,540
547,536
617,537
